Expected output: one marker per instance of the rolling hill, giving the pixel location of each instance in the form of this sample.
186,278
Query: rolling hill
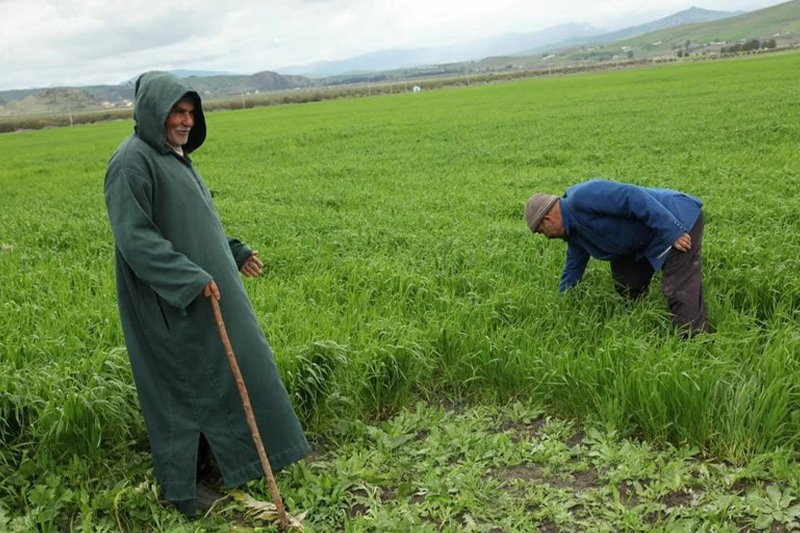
383,60
59,99
781,22
688,16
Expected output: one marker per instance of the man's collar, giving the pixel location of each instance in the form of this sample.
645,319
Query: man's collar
565,215
177,149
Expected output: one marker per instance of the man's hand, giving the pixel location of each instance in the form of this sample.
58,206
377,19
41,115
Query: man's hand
683,244
252,267
211,290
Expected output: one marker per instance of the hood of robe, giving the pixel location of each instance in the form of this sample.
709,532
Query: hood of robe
156,93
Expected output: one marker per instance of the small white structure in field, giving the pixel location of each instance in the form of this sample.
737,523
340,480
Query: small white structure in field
416,88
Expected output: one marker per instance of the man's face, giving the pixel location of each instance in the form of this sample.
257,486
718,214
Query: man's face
551,226
179,123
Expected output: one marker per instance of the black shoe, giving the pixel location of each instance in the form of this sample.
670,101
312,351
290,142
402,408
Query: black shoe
207,497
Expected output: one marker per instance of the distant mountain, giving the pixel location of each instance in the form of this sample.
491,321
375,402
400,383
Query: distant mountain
779,25
508,43
781,22
688,16
57,100
200,73
181,73
61,100
217,86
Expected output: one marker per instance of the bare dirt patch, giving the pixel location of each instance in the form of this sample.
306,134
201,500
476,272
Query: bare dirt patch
740,487
679,498
548,526
532,472
356,510
576,439
525,472
627,494
522,432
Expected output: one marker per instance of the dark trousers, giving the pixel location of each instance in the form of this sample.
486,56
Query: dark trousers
681,285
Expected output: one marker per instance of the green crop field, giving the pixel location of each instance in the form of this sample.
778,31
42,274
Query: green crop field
400,276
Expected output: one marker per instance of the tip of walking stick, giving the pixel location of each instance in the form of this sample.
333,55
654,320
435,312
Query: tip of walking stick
267,511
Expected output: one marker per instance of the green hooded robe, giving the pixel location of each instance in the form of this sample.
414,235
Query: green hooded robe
169,245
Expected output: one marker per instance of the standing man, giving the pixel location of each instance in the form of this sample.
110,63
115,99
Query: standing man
172,255
640,231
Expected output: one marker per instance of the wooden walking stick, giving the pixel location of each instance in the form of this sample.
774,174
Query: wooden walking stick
248,411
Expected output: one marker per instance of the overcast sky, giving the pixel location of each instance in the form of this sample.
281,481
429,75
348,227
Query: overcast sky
85,42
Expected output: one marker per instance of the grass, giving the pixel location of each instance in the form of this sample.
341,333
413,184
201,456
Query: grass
399,268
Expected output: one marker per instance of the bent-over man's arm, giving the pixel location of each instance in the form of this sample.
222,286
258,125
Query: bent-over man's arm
574,267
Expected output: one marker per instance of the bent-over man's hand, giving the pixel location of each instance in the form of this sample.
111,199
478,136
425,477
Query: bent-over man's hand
211,290
683,244
252,267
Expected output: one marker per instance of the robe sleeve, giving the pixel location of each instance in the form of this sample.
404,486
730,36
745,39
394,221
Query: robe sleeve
239,250
574,267
628,201
153,258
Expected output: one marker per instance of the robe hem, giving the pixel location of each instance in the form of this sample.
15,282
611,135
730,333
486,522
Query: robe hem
187,490
254,470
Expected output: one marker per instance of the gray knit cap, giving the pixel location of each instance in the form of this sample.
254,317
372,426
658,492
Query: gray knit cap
537,207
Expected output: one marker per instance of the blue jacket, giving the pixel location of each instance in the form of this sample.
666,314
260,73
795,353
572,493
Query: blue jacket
604,219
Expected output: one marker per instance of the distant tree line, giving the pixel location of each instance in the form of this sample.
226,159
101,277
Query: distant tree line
593,56
361,79
749,45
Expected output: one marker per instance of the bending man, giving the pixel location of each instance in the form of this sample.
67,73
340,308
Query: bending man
640,231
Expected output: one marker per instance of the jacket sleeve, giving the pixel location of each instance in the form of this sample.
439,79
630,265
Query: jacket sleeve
152,257
575,265
609,198
239,250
